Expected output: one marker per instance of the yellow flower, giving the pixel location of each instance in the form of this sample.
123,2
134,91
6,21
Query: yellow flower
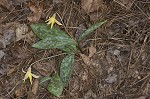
29,74
52,20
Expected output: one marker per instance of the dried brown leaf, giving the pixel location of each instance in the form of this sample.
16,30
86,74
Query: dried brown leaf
90,94
86,59
142,97
35,86
1,97
91,5
7,34
6,4
22,33
32,94
30,37
20,53
20,91
92,51
10,71
45,69
37,11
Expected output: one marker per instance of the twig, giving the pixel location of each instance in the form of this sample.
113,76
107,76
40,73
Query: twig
47,58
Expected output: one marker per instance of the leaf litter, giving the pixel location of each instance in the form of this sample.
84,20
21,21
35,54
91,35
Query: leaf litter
121,59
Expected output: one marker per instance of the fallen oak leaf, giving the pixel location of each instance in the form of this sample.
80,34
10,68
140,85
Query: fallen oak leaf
23,33
20,91
91,5
86,59
92,51
32,94
37,11
35,87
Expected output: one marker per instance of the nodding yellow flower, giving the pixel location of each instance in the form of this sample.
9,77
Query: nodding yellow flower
29,74
52,20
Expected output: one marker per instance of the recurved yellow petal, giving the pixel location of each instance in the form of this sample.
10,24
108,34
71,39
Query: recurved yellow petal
35,76
52,20
29,75
58,22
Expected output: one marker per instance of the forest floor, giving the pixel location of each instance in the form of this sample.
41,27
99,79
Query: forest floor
118,53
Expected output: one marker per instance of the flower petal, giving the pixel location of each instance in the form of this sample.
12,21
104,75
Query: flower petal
49,22
52,20
52,23
29,74
58,22
23,71
30,77
35,76
25,77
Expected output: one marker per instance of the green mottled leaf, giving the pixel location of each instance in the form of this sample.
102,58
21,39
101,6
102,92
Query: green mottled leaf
91,29
66,68
53,38
56,85
43,30
68,48
53,42
44,80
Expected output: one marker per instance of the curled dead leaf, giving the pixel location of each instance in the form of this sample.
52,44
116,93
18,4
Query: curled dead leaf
10,71
1,97
86,59
22,33
7,34
32,94
45,69
142,97
37,11
92,51
6,4
20,91
90,94
91,5
35,87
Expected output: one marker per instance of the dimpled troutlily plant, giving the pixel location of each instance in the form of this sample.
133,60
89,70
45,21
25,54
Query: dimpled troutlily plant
29,75
52,20
51,38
